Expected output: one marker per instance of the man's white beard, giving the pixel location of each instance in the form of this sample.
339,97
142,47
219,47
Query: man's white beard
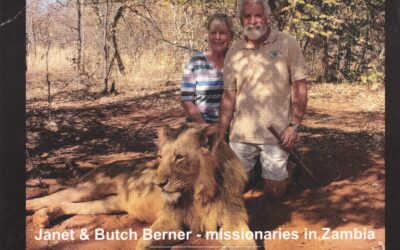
255,32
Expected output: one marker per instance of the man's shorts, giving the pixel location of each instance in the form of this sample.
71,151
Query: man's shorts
272,157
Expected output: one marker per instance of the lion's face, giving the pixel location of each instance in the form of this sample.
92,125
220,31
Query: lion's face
184,170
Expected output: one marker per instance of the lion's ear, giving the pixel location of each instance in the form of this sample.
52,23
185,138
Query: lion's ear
163,135
209,137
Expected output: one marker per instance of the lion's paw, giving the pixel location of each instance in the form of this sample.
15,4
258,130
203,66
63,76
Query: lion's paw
44,216
239,244
41,218
143,244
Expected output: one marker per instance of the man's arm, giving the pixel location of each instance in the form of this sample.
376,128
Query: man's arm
226,110
299,105
193,111
299,101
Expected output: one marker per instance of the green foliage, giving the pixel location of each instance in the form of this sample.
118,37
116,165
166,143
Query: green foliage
343,38
370,78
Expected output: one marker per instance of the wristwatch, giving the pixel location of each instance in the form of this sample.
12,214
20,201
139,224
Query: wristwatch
295,126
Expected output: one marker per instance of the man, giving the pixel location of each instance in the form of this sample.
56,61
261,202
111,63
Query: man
260,72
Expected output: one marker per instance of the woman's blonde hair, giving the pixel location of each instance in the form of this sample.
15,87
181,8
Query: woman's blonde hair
225,19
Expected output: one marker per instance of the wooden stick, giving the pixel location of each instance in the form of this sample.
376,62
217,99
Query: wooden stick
294,154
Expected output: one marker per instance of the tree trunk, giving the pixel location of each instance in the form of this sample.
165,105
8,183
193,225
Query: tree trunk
106,12
33,26
79,39
325,59
361,60
48,79
347,58
117,56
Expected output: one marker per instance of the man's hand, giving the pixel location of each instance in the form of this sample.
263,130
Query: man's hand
226,110
193,111
289,137
221,133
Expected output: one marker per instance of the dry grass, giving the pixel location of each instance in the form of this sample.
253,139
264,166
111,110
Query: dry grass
154,69
367,98
59,60
150,69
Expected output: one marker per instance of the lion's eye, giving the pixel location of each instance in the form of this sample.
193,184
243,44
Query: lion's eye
159,156
179,157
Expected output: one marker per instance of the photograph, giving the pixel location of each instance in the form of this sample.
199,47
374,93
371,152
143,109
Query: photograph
196,124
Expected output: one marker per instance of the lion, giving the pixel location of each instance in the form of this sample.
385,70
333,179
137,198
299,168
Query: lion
200,180
108,189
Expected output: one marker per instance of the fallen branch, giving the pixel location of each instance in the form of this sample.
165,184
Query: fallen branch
294,154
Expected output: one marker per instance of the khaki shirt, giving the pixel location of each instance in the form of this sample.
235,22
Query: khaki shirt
262,78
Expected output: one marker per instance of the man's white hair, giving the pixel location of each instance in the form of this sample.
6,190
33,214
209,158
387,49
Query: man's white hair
263,3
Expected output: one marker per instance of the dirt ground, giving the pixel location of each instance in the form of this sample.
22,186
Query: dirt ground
341,142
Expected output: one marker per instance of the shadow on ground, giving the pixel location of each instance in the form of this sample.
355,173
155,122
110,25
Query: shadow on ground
350,170
348,165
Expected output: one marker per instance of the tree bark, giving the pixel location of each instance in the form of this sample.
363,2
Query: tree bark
117,55
48,78
325,59
105,48
79,39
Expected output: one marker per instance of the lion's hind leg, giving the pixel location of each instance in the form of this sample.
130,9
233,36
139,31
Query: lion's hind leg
68,202
37,204
70,194
107,205
84,191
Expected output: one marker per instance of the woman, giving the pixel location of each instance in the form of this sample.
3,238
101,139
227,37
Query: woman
202,84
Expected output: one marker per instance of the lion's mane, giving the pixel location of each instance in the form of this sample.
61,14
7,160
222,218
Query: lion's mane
202,182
